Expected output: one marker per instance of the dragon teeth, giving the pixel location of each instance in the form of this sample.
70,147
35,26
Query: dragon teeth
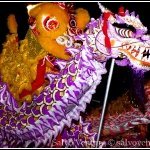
139,56
124,46
142,49
130,48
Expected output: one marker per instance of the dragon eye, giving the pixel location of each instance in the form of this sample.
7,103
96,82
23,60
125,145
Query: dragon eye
125,33
124,26
50,23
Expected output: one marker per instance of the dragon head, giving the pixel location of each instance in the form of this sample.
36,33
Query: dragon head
123,35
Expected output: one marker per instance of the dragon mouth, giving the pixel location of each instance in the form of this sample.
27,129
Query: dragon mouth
138,55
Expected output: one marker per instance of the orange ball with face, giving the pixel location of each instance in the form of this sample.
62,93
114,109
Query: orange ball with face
49,21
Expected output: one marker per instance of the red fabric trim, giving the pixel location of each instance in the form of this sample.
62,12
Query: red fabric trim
106,15
38,82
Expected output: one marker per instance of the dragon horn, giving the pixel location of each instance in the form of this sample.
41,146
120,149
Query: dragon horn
102,8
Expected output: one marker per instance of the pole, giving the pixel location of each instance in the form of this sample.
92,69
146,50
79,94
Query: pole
105,100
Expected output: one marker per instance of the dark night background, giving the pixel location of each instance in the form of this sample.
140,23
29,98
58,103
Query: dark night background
121,76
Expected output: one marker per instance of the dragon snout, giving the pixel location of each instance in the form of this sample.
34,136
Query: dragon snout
139,55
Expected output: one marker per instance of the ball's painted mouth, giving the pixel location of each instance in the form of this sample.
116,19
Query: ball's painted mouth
138,55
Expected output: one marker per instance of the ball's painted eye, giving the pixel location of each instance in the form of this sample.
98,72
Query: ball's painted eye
72,23
50,23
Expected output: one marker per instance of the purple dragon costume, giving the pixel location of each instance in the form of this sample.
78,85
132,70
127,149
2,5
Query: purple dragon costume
71,90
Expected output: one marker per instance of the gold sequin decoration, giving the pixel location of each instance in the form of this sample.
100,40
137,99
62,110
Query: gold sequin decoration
18,63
